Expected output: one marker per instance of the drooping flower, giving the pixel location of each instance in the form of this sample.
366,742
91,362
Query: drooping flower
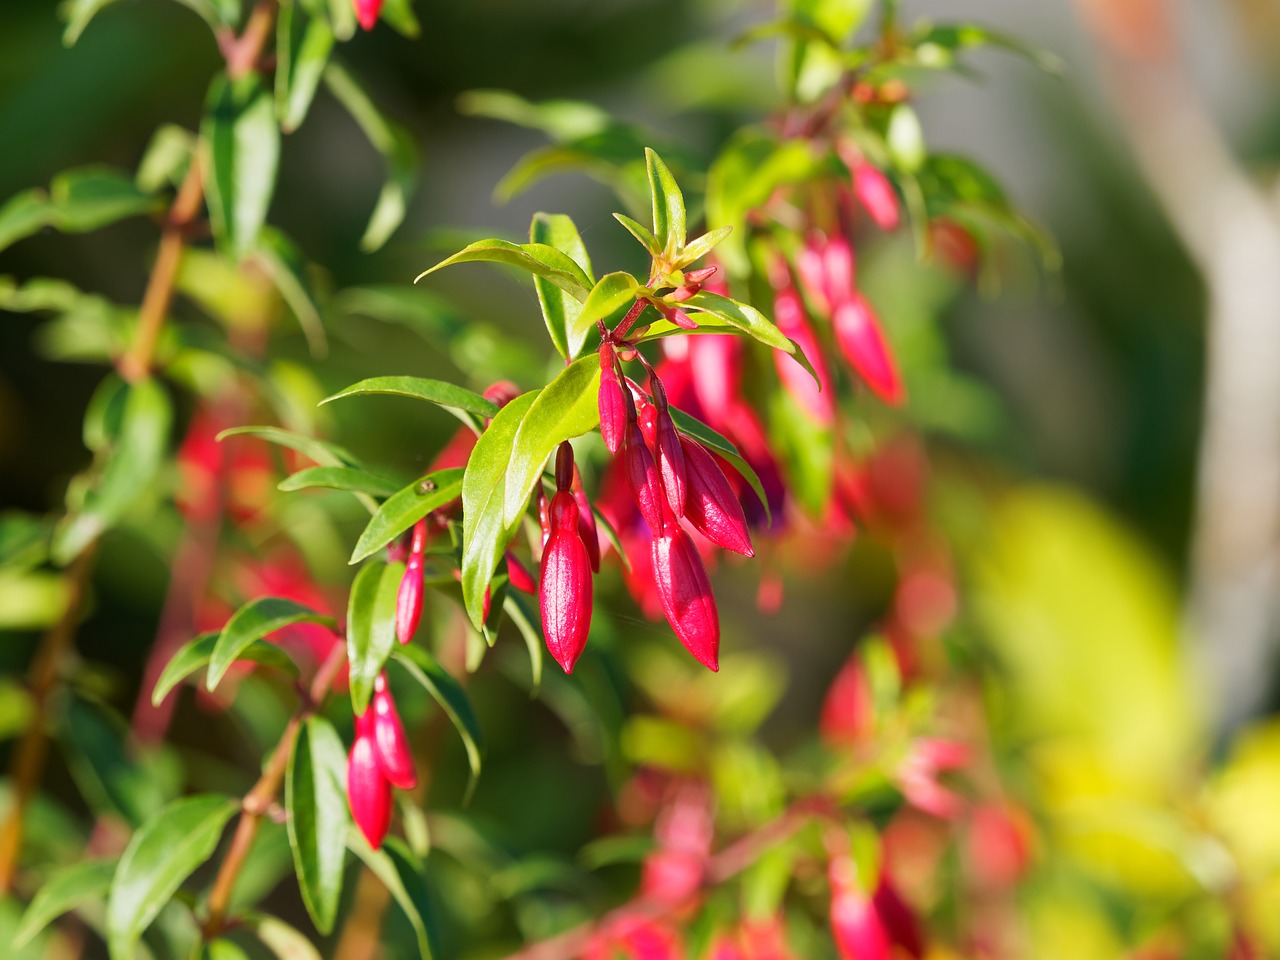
711,506
368,789
815,397
565,591
409,599
876,194
863,344
685,592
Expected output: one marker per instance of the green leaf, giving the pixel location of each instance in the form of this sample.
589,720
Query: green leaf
78,13
128,464
65,890
92,197
166,158
613,292
110,776
321,451
339,478
457,400
163,853
567,408
719,445
371,627
699,248
316,801
403,509
399,16
286,942
242,144
668,206
342,17
397,147
401,873
560,310
529,625
641,233
484,534
905,138
285,266
968,36
303,45
537,258
447,692
252,622
743,316
32,599
198,652
24,214
559,119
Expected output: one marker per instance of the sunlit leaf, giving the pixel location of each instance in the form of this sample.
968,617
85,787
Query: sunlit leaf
448,693
303,44
316,800
252,622
339,478
455,399
560,310
371,627
197,653
242,143
406,507
536,258
668,206
67,889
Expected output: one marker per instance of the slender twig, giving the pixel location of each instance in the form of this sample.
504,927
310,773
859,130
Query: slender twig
29,757
262,796
725,865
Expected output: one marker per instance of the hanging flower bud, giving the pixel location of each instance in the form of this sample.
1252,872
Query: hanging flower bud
863,344
848,713
856,925
367,12
686,596
814,397
610,399
565,592
409,600
586,522
711,507
666,444
677,316
368,790
518,575
642,476
876,194
393,753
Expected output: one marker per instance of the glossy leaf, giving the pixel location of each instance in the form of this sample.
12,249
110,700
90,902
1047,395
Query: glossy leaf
166,158
321,451
560,310
161,854
252,622
242,143
699,248
717,444
303,45
613,292
459,401
484,534
448,693
641,233
67,889
285,266
668,205
401,873
316,800
371,626
743,316
93,197
406,507
196,654
536,258
339,478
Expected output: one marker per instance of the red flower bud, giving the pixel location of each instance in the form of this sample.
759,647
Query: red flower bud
711,506
587,523
848,713
367,12
876,194
678,316
409,600
610,399
394,755
518,575
565,593
859,932
863,344
815,398
643,478
666,444
368,790
686,596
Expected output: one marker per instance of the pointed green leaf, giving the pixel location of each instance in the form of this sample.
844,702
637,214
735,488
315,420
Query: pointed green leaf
567,408
24,214
447,692
559,309
613,292
163,853
457,400
743,316
286,942
242,144
968,36
536,258
321,451
484,535
303,45
339,478
402,874
403,509
399,16
78,13
316,800
166,158
371,626
197,653
719,445
252,622
286,268
668,205
64,891
90,198
528,623
641,233
699,248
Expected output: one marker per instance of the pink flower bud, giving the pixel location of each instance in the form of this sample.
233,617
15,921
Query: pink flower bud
724,948
409,599
812,269
367,12
815,398
848,713
686,596
863,344
368,790
643,477
393,753
876,194
587,525
666,445
612,403
565,592
717,360
856,925
678,316
701,275
711,507
837,261
518,575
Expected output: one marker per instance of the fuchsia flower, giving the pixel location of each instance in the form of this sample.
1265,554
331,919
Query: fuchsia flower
565,593
409,599
863,344
380,759
711,507
815,398
685,592
869,927
876,194
848,714
611,401
367,12
918,776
